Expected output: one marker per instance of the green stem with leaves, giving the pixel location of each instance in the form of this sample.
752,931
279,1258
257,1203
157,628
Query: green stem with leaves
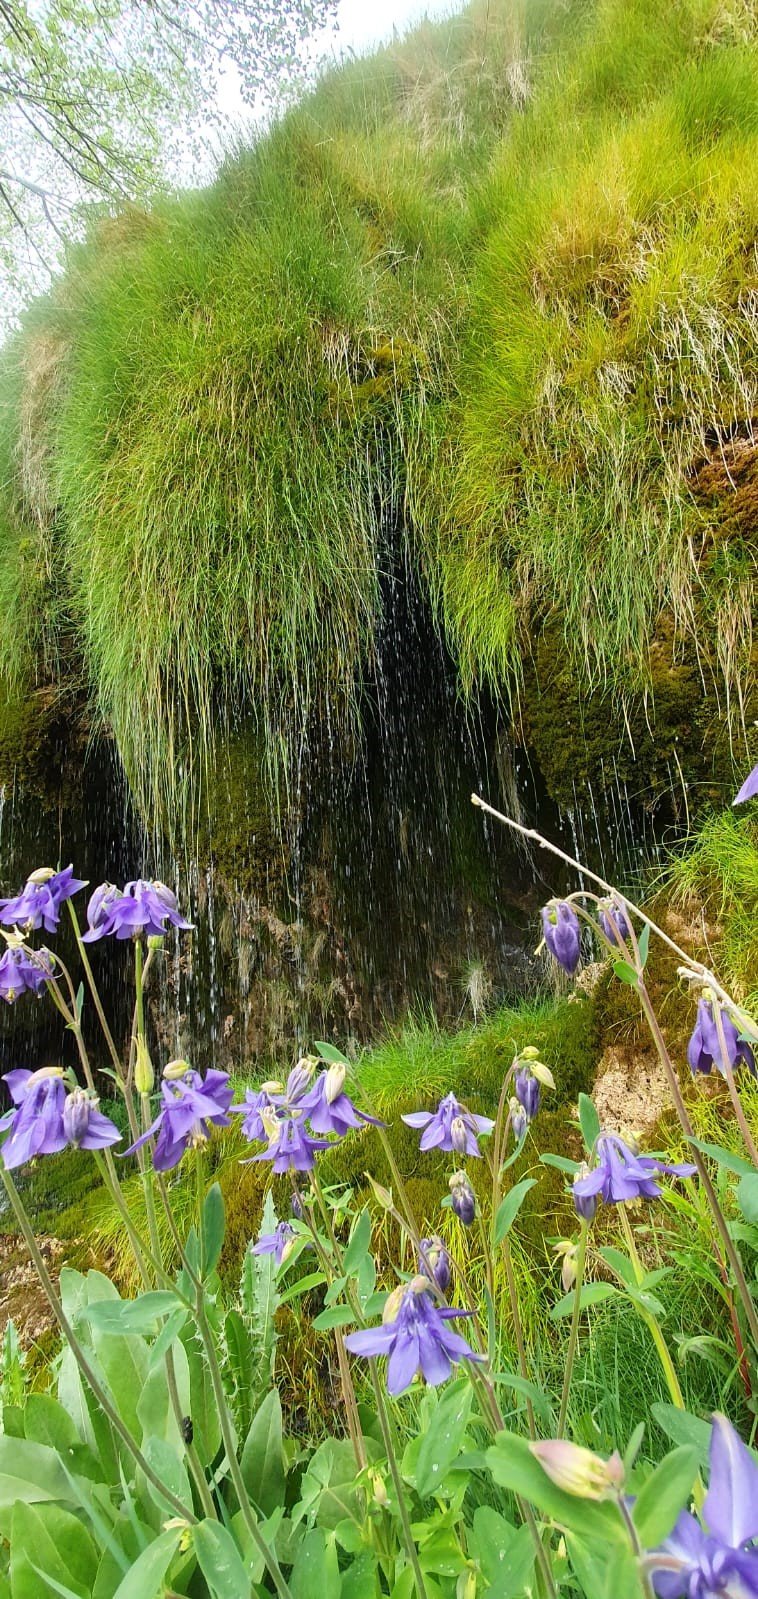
581,1256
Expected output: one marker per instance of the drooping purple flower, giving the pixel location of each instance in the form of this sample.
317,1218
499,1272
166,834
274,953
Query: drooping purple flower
190,1106
621,1174
36,1119
143,910
613,919
414,1334
704,1048
290,1147
296,1205
749,788
585,1204
40,900
278,1243
434,1262
451,1127
85,1125
256,1100
519,1118
717,1564
24,971
329,1109
527,1092
560,930
462,1198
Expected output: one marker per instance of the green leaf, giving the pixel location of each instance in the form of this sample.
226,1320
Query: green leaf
626,973
643,943
145,1580
589,1121
131,1315
315,1574
335,1316
31,1472
220,1561
302,1286
169,1466
442,1441
514,1466
361,1579
530,1390
330,1053
747,1197
505,1553
46,1422
359,1245
664,1494
724,1157
618,1262
212,1229
561,1163
682,1428
262,1460
48,1540
591,1294
509,1207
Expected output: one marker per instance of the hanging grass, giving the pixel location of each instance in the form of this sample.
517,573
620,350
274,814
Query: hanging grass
495,285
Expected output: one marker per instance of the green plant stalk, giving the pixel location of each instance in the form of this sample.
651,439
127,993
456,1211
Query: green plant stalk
230,1446
96,1000
351,1404
397,1480
581,1256
651,1321
636,1547
81,1359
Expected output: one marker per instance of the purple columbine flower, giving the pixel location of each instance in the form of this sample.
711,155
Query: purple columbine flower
527,1092
704,1048
278,1243
85,1125
255,1102
191,1105
462,1197
749,788
560,930
24,971
434,1262
290,1147
414,1334
717,1564
613,919
144,910
329,1109
40,900
621,1174
519,1118
451,1127
36,1120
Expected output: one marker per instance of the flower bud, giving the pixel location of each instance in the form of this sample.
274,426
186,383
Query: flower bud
462,1198
272,1087
378,1489
543,1074
296,1205
458,1135
567,1251
382,1195
299,1077
335,1081
144,1076
76,1111
465,1587
530,1052
527,1092
585,1205
519,1119
175,1070
42,875
156,941
577,1470
435,1260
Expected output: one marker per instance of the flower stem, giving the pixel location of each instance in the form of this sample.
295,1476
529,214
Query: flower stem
581,1256
397,1481
81,1359
651,1321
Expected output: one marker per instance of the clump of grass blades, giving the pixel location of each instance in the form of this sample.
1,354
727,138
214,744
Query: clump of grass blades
717,875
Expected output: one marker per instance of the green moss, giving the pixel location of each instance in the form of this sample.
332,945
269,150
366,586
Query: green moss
492,287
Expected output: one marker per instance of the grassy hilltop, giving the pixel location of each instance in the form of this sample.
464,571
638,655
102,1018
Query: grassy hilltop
494,287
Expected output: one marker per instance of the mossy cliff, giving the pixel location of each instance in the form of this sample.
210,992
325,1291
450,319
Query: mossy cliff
491,293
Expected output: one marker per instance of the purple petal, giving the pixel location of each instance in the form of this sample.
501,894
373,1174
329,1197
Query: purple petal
371,1341
404,1362
731,1503
685,1542
16,1083
749,788
434,1359
417,1118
